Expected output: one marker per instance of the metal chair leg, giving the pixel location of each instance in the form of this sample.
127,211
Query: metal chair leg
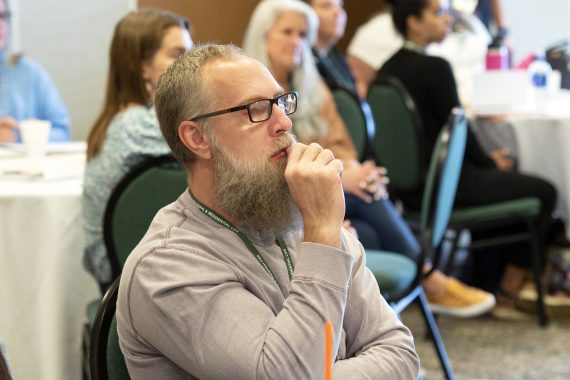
452,252
434,330
537,269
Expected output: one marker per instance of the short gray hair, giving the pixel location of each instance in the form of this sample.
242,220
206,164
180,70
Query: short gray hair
181,94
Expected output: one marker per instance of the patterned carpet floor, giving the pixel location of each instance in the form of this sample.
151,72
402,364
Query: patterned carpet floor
486,348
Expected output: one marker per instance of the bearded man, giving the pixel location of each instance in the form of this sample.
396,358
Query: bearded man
236,279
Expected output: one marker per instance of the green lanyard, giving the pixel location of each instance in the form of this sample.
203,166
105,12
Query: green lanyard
220,220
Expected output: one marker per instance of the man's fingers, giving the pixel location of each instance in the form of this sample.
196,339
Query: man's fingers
295,152
337,166
324,157
312,152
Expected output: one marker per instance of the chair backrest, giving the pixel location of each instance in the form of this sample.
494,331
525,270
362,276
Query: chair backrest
350,110
398,134
442,179
134,202
439,192
106,360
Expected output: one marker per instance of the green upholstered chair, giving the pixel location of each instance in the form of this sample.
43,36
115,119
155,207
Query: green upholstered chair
397,147
398,134
401,281
350,110
134,202
106,359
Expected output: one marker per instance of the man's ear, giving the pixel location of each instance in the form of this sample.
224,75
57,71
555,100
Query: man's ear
414,25
194,139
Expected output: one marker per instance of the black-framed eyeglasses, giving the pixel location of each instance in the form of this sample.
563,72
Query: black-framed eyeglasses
260,110
5,16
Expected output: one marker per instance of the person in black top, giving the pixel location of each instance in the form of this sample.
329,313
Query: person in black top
485,178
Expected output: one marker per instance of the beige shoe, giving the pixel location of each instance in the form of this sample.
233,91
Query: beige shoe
511,314
556,306
461,301
506,308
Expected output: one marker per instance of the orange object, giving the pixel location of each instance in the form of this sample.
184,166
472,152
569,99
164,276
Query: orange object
328,350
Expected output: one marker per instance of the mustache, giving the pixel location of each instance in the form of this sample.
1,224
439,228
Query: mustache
283,142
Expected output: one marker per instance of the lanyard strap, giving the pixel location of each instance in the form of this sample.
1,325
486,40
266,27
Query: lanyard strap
249,245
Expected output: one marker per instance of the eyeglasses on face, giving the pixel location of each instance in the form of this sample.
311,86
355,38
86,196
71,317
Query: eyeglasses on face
260,110
5,16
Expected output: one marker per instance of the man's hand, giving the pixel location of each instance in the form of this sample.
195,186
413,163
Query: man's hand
7,129
314,179
502,159
366,181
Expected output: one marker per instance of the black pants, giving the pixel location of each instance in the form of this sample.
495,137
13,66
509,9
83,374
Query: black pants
480,186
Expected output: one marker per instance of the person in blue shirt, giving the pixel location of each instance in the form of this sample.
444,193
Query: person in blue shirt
26,91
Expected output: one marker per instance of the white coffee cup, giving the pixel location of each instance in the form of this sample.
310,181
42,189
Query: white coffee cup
35,136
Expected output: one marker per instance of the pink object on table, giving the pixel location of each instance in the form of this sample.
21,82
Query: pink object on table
525,62
497,58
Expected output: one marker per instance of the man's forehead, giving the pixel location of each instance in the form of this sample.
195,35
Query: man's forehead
234,68
241,76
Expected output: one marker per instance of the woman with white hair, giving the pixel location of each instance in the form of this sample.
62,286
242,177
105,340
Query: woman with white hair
280,35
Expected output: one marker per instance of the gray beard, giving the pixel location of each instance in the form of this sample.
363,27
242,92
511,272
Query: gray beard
254,193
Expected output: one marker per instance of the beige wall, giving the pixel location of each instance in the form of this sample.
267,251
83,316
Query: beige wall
71,39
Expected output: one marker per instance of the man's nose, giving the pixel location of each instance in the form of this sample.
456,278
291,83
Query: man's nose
280,122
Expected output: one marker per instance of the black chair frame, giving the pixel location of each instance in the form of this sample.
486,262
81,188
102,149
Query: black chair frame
100,333
530,236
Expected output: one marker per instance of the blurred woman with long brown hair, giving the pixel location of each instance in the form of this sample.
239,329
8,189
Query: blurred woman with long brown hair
126,131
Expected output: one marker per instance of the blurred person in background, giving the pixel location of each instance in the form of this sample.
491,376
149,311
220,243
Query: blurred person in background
372,44
144,44
280,35
26,91
485,178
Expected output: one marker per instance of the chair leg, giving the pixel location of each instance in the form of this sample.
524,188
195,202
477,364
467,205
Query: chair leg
437,341
85,352
537,269
451,258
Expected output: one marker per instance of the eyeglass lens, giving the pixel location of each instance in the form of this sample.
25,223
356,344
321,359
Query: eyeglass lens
261,110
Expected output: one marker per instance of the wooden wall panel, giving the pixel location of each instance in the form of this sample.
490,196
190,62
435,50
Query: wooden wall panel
221,21
225,21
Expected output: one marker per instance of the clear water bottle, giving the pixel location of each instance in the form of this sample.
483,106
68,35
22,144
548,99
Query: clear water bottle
539,70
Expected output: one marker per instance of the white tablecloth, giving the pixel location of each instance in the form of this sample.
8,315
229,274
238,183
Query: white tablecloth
44,289
542,141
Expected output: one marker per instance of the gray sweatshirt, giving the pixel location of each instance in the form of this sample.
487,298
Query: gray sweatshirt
194,303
